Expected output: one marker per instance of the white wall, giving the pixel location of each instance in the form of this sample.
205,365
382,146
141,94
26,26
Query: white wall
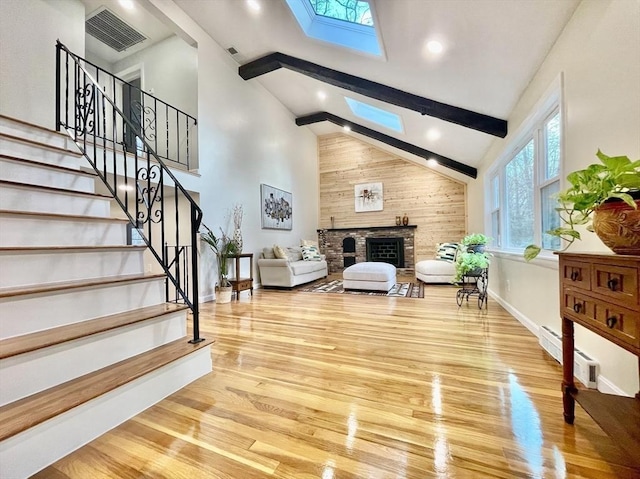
170,72
28,33
599,55
246,138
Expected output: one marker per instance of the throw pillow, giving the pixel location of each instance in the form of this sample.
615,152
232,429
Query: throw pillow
294,254
447,251
279,252
305,242
267,253
310,253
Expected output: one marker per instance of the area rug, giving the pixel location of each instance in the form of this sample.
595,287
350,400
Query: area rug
399,290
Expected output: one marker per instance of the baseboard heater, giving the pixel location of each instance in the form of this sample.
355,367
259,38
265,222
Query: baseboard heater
585,369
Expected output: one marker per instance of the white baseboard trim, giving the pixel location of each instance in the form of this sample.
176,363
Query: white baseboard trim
604,385
526,322
207,298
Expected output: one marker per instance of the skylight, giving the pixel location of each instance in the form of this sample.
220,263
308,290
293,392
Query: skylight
375,115
352,11
348,23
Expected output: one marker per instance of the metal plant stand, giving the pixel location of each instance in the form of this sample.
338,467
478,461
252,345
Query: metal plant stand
474,284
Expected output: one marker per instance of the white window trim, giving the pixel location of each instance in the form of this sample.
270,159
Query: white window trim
551,100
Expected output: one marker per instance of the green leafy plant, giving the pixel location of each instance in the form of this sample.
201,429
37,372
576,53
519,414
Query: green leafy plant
475,238
614,177
468,261
223,247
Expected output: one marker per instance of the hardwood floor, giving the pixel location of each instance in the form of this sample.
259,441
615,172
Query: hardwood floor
342,386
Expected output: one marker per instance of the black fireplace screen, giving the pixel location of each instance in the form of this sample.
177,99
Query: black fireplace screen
386,250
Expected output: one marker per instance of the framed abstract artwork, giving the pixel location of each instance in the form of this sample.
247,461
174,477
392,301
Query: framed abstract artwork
368,197
276,207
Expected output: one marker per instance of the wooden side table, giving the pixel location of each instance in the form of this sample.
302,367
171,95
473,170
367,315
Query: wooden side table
238,283
601,292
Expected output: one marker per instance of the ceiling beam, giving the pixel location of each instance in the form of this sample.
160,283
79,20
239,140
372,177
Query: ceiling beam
389,140
387,94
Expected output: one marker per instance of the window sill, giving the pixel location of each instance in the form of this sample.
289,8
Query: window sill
545,259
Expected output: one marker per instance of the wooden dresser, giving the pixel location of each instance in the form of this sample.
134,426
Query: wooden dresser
602,293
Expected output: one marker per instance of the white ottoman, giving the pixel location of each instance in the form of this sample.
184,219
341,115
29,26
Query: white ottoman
369,276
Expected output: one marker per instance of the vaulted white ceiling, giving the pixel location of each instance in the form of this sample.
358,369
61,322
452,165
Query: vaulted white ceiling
492,49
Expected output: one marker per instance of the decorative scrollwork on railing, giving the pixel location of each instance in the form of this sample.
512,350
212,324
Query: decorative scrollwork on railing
85,109
147,122
149,194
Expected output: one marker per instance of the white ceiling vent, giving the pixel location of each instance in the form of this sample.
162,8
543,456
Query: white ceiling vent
112,31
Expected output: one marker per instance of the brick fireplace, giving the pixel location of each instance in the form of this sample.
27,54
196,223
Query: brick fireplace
392,244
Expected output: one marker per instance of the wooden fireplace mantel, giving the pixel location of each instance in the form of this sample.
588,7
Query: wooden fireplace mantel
353,228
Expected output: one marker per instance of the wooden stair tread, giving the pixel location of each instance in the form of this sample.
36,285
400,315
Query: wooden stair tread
39,144
76,284
39,164
58,249
33,410
63,216
55,189
33,125
50,337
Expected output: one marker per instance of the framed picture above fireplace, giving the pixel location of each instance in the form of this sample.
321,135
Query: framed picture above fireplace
368,197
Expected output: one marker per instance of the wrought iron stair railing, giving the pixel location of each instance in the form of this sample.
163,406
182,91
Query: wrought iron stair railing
148,192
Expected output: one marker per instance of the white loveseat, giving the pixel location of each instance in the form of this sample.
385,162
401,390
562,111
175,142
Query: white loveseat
291,271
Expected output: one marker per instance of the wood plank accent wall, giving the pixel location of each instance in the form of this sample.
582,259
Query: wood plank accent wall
433,202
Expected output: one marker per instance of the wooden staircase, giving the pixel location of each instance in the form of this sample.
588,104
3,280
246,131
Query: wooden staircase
86,337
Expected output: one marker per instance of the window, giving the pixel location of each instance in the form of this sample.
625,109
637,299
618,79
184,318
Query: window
346,23
519,198
353,11
376,115
522,185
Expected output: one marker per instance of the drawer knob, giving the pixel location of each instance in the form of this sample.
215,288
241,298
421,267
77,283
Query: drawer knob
612,284
575,275
577,307
611,322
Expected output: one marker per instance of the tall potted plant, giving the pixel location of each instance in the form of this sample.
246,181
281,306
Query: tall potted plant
223,247
604,198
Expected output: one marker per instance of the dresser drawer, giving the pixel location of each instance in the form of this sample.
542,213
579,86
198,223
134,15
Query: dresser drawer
577,305
620,322
620,283
576,274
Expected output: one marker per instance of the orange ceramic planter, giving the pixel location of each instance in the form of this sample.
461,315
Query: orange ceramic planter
618,226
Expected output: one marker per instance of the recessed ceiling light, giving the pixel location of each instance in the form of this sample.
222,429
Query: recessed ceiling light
434,46
433,134
432,162
254,5
346,128
128,4
322,95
